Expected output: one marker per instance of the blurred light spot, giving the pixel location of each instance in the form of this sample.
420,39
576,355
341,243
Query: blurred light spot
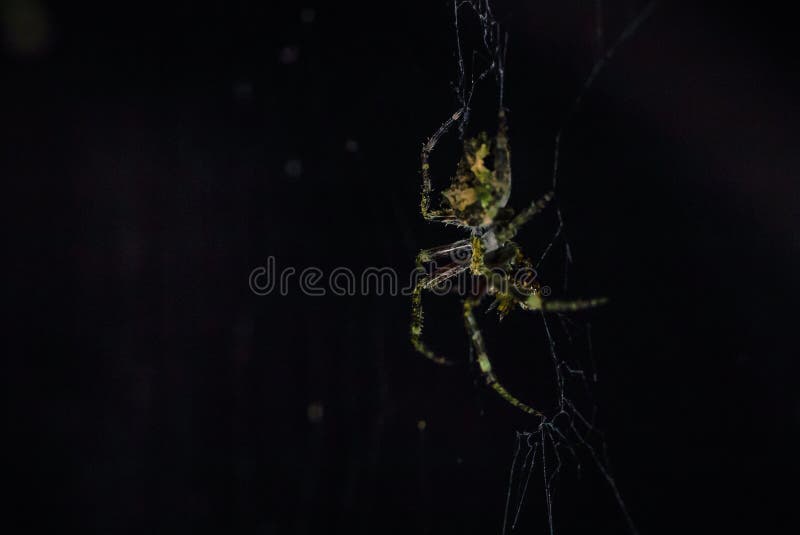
288,55
351,145
315,412
421,425
307,15
293,168
243,90
25,27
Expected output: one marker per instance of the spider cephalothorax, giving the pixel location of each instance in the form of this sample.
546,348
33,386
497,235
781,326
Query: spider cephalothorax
476,200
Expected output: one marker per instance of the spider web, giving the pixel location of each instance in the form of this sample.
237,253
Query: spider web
570,435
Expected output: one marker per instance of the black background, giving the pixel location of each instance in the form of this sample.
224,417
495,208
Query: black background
144,152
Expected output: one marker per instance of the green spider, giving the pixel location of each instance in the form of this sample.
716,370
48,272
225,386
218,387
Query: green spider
476,200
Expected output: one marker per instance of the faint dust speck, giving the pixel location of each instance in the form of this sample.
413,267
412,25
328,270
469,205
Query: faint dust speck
288,55
293,168
307,15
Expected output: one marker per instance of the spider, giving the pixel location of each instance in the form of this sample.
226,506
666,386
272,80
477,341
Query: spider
477,200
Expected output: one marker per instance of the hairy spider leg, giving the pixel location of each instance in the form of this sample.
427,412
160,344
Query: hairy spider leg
458,252
535,302
417,316
511,228
477,263
502,155
484,363
427,148
416,327
453,249
502,166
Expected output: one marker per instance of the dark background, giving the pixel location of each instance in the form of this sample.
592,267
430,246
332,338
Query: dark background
144,165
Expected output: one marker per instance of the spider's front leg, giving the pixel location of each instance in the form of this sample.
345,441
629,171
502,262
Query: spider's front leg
503,170
511,228
476,338
427,149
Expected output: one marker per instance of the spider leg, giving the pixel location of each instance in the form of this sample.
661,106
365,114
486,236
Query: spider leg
416,327
537,206
535,302
502,166
477,263
458,252
427,148
455,250
417,316
502,155
447,273
485,365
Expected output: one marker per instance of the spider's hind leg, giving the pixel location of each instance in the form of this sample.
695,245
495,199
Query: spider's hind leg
536,303
476,338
